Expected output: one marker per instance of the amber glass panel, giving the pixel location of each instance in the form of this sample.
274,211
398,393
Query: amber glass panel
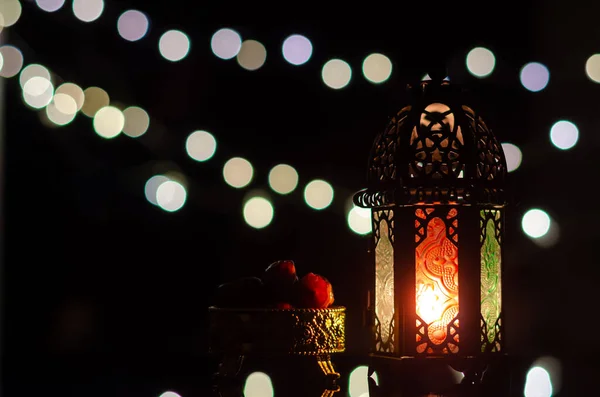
384,282
437,282
491,297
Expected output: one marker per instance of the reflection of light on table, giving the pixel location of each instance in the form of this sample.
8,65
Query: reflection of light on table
429,304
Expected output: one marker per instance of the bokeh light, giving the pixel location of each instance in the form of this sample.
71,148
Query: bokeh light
538,383
297,49
535,223
318,194
201,145
174,45
358,381
109,122
258,384
171,196
553,366
592,68
336,74
283,179
513,155
377,68
74,91
258,212
132,25
10,12
226,43
50,5
238,172
359,220
481,62
38,92
535,76
12,61
95,99
252,55
137,121
88,10
564,134
151,187
62,109
33,70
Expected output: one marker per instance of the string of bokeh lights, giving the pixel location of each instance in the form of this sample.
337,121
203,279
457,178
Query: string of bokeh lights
62,104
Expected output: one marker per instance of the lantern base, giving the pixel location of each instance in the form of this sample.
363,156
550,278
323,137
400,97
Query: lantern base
442,376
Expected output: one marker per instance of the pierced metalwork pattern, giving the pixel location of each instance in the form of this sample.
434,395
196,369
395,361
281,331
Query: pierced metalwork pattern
435,152
436,258
490,224
382,167
491,164
436,143
383,227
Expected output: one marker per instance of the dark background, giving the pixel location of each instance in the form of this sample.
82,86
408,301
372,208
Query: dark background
106,293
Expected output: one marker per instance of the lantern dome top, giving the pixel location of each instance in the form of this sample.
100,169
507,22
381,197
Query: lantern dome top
436,150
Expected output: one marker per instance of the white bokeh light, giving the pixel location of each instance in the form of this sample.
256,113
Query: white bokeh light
538,383
12,61
201,145
88,10
151,187
564,134
109,122
74,91
535,223
358,384
534,76
10,12
226,43
258,212
592,68
170,394
50,5
174,45
132,25
336,74
137,121
171,196
377,68
38,92
318,194
33,70
297,49
258,384
252,55
513,156
481,62
359,220
283,179
62,109
238,172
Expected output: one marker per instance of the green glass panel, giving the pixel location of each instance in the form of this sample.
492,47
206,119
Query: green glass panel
491,300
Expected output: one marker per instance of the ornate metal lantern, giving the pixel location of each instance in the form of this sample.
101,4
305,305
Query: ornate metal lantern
435,189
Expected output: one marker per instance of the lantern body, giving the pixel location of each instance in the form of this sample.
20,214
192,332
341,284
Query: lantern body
435,190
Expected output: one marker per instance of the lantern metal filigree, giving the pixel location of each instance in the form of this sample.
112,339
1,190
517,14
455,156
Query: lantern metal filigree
435,190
